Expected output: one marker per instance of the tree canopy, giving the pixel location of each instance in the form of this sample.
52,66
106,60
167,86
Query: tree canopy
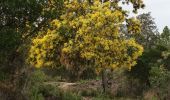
88,35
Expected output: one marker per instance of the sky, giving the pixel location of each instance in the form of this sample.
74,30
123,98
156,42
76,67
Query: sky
160,11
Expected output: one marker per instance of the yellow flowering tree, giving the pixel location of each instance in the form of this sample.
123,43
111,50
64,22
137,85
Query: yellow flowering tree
88,34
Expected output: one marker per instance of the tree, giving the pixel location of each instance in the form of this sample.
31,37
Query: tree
165,37
21,20
153,57
165,41
149,32
88,35
148,38
149,59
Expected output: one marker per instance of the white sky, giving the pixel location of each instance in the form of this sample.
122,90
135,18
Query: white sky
160,11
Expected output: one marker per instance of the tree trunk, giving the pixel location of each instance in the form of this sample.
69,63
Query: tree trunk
104,81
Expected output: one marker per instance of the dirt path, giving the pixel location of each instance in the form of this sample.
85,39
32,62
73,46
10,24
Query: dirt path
80,86
62,85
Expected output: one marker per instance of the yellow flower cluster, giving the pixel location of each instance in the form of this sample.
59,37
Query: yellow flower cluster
133,25
43,50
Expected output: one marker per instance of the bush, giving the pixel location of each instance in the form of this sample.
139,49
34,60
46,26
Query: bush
159,77
70,96
145,62
159,80
35,85
38,90
3,76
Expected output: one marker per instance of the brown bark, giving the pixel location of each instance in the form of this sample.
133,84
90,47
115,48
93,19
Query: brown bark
104,81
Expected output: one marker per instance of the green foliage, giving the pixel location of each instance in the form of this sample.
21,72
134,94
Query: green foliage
159,80
2,76
159,77
35,85
71,96
88,74
165,37
37,89
21,19
145,63
166,33
149,32
10,41
102,97
166,58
